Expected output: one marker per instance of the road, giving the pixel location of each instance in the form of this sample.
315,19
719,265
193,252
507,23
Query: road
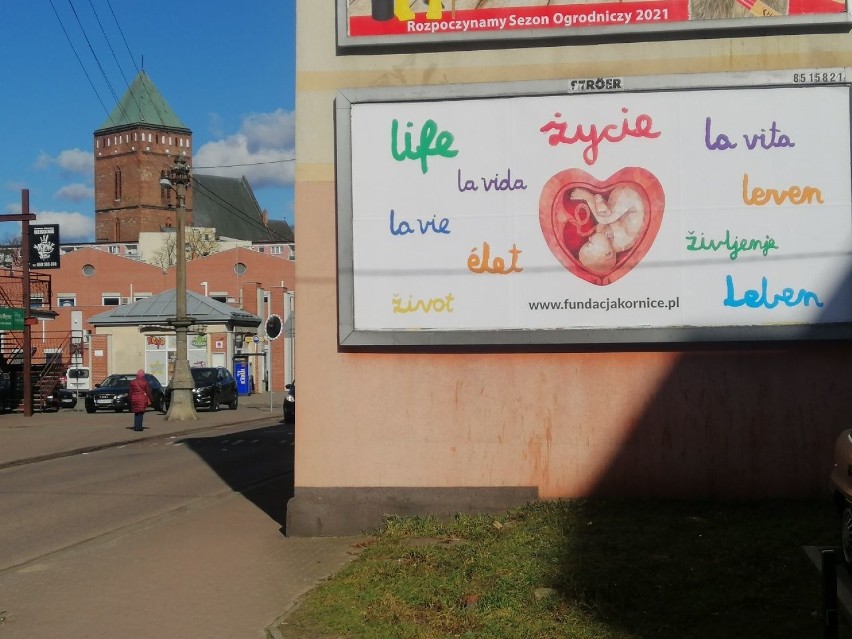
100,544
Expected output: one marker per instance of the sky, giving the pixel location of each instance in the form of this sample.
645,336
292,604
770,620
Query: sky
225,68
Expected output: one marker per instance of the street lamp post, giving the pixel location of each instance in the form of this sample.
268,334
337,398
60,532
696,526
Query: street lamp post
181,406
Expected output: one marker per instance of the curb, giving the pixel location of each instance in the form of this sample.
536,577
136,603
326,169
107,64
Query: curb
96,447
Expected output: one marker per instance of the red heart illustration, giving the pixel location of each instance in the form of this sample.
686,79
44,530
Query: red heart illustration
600,230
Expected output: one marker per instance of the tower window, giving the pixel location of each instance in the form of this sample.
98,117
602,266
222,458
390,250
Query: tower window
117,178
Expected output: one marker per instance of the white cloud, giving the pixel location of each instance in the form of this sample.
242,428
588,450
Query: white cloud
263,151
75,192
73,227
74,161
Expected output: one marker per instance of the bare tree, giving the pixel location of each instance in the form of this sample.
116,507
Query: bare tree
198,244
10,251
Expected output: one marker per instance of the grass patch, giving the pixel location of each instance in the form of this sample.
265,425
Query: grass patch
583,569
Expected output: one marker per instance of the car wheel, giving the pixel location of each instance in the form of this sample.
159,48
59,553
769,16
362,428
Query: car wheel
846,534
234,404
90,409
117,410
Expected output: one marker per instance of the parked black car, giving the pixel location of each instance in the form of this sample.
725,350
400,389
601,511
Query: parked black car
111,394
67,398
213,385
290,403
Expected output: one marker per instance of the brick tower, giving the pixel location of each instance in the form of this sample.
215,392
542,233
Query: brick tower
137,142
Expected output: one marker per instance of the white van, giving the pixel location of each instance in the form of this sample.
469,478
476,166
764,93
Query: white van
79,378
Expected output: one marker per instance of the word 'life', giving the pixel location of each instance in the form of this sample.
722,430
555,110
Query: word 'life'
733,246
497,265
642,127
773,139
434,225
431,143
762,298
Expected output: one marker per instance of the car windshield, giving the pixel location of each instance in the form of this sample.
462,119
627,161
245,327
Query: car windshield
204,375
118,381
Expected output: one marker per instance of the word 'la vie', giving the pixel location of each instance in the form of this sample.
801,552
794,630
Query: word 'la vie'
434,225
431,143
762,298
435,304
773,139
642,127
497,265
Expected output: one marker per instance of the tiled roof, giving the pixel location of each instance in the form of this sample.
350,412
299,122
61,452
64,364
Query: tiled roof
158,309
142,104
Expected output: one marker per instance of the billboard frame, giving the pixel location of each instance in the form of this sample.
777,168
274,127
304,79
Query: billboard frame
351,338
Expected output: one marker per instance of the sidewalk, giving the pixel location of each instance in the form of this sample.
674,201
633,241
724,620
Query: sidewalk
73,430
233,593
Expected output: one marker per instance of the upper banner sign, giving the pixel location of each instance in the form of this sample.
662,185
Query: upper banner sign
370,22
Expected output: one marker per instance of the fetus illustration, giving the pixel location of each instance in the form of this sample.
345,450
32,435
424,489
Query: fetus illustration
619,218
601,229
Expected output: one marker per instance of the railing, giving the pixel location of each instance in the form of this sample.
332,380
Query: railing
51,354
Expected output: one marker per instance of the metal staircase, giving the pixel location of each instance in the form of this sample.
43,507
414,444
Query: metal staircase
50,351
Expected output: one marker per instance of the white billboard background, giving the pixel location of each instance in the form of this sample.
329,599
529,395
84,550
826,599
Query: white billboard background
424,280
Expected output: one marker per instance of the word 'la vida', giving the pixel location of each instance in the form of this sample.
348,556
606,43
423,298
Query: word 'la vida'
496,183
496,265
431,143
772,139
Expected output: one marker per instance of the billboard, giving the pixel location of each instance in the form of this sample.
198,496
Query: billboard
532,214
44,246
371,22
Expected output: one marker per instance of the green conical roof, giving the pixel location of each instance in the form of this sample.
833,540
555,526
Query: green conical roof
143,104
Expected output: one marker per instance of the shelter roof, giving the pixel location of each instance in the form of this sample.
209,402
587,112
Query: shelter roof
159,309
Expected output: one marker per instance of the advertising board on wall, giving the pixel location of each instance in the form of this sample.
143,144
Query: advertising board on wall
370,22
702,212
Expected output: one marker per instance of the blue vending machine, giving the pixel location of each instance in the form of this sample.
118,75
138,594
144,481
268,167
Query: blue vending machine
241,374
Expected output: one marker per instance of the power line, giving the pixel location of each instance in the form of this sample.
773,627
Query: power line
233,166
94,55
76,55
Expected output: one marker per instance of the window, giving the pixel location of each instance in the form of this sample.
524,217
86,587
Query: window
117,185
132,249
115,249
220,298
66,300
276,250
260,249
240,268
88,270
36,301
110,300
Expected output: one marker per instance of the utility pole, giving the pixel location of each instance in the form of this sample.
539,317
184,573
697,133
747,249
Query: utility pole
181,406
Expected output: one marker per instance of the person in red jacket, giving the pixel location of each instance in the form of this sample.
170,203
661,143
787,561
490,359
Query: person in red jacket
139,397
